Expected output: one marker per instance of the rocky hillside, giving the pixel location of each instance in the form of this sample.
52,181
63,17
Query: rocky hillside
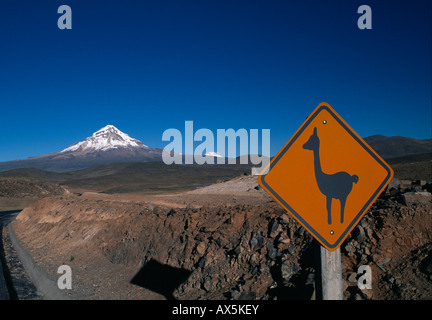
229,252
17,193
24,188
393,147
395,239
120,250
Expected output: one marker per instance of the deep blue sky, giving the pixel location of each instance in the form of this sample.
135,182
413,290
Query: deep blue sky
146,66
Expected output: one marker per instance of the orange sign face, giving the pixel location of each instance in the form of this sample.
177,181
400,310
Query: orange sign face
326,176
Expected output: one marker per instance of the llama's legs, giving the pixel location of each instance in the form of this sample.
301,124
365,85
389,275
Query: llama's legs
329,201
342,201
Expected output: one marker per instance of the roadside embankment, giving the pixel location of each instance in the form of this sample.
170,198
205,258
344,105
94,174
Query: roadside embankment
46,287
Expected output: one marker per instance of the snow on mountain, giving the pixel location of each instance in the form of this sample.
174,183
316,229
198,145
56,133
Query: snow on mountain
106,146
213,154
106,138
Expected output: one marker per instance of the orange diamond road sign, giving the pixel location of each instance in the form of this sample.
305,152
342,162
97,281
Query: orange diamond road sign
326,176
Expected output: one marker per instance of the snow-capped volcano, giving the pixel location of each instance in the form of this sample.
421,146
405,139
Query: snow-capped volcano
213,154
109,137
105,146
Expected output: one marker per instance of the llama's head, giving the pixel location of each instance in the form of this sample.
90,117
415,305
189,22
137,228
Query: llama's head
313,142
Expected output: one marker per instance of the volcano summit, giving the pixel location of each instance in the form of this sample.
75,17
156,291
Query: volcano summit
109,137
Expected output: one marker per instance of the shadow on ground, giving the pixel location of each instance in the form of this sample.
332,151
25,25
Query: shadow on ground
160,278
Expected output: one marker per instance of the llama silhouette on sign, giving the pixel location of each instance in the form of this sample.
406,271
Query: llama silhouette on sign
333,186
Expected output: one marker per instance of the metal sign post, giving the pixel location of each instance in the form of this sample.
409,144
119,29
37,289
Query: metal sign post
331,274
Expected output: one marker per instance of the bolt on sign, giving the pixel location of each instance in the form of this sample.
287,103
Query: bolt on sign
326,176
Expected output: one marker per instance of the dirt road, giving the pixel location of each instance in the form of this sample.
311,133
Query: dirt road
14,281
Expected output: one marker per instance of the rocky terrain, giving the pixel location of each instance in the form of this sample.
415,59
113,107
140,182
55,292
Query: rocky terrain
17,193
395,239
24,188
237,250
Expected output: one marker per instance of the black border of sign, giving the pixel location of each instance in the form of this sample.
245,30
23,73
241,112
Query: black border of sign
362,210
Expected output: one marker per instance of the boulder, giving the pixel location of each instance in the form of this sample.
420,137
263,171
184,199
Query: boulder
201,248
394,183
410,198
271,251
289,269
285,219
256,242
274,228
359,234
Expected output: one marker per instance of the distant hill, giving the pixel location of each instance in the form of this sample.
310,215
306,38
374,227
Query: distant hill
395,147
109,145
412,167
148,177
